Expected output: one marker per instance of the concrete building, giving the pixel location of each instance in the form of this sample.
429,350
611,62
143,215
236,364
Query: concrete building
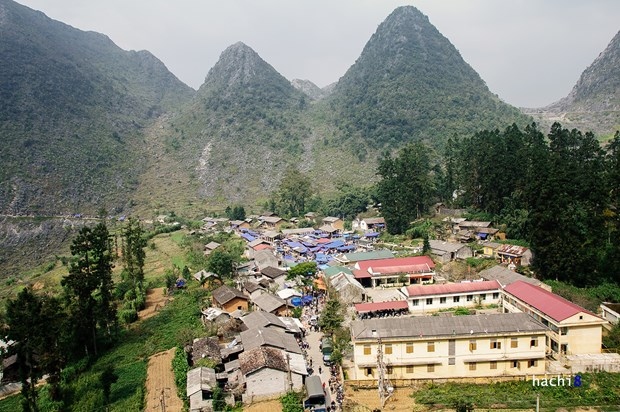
514,255
449,347
507,276
572,330
386,272
201,383
611,312
433,298
270,372
448,251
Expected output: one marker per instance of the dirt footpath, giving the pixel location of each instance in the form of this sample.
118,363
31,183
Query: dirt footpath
159,376
155,300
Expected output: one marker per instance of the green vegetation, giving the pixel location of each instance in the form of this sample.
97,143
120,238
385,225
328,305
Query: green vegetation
598,389
180,367
292,402
588,297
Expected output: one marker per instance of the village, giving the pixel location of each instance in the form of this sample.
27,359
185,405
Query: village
407,319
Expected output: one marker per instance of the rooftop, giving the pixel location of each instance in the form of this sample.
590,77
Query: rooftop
262,319
439,326
376,306
382,265
452,288
506,276
225,294
257,337
272,273
512,250
444,246
552,305
257,358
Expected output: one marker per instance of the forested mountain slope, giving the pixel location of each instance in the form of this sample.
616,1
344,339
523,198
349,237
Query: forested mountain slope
72,109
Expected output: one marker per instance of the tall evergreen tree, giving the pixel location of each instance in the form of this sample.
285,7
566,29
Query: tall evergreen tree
88,287
405,189
35,324
134,243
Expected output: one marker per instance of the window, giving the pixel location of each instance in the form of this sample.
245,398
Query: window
483,296
415,302
388,348
368,371
493,365
496,344
534,343
472,345
532,363
472,366
456,299
442,300
389,370
470,298
564,331
409,347
409,369
514,342
515,364
429,301
430,347
496,295
366,349
430,368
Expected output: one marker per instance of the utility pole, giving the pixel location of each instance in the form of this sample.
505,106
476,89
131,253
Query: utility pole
385,389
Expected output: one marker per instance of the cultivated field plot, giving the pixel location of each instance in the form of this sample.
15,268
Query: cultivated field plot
159,376
265,406
366,400
155,301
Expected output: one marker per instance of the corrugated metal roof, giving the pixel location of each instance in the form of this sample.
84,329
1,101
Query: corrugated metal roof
512,250
453,288
439,326
393,262
506,276
552,305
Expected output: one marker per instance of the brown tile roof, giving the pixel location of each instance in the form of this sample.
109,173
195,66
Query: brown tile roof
258,358
272,273
225,294
206,347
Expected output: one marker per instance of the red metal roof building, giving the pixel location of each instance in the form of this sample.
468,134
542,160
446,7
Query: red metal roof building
384,271
433,298
572,329
379,306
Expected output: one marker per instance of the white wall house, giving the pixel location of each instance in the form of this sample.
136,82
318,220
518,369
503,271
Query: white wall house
433,298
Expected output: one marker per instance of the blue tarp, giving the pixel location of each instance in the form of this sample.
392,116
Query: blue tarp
320,258
335,244
296,301
371,234
307,299
248,237
346,248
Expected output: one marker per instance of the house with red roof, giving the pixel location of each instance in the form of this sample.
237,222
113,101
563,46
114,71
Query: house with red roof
387,272
433,298
573,330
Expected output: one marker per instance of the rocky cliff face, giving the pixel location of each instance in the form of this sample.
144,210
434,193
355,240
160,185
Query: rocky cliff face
594,102
313,91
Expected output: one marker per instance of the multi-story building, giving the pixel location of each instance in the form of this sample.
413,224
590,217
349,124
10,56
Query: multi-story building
571,329
449,347
384,272
433,298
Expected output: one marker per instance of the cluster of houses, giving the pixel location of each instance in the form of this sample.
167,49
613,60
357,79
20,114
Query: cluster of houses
524,330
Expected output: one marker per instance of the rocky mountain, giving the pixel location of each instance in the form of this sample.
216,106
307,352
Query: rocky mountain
411,83
313,91
594,102
73,107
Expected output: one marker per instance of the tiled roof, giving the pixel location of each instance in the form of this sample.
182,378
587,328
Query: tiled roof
552,305
272,273
258,358
225,294
512,250
506,276
268,302
271,337
440,326
453,288
374,306
261,319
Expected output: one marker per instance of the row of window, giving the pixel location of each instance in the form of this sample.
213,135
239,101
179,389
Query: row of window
455,299
409,369
430,346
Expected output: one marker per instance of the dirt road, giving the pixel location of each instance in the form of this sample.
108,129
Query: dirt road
160,383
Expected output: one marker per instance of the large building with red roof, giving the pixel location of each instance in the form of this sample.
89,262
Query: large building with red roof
373,273
573,330
433,298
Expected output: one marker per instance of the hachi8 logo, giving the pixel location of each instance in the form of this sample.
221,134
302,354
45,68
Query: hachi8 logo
559,380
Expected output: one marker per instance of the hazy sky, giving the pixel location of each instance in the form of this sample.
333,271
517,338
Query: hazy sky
530,52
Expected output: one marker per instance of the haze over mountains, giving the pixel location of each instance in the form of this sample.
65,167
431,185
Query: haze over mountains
86,125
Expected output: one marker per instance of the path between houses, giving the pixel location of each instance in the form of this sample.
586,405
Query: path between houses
160,377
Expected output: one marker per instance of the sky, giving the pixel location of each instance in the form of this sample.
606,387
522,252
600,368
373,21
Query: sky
529,52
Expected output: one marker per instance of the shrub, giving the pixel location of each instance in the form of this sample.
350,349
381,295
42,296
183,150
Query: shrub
180,367
127,316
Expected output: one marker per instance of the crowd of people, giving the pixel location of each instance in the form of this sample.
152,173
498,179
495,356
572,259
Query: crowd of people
387,313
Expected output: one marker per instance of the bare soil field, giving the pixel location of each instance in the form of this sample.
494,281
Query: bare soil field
273,405
159,376
367,400
155,300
